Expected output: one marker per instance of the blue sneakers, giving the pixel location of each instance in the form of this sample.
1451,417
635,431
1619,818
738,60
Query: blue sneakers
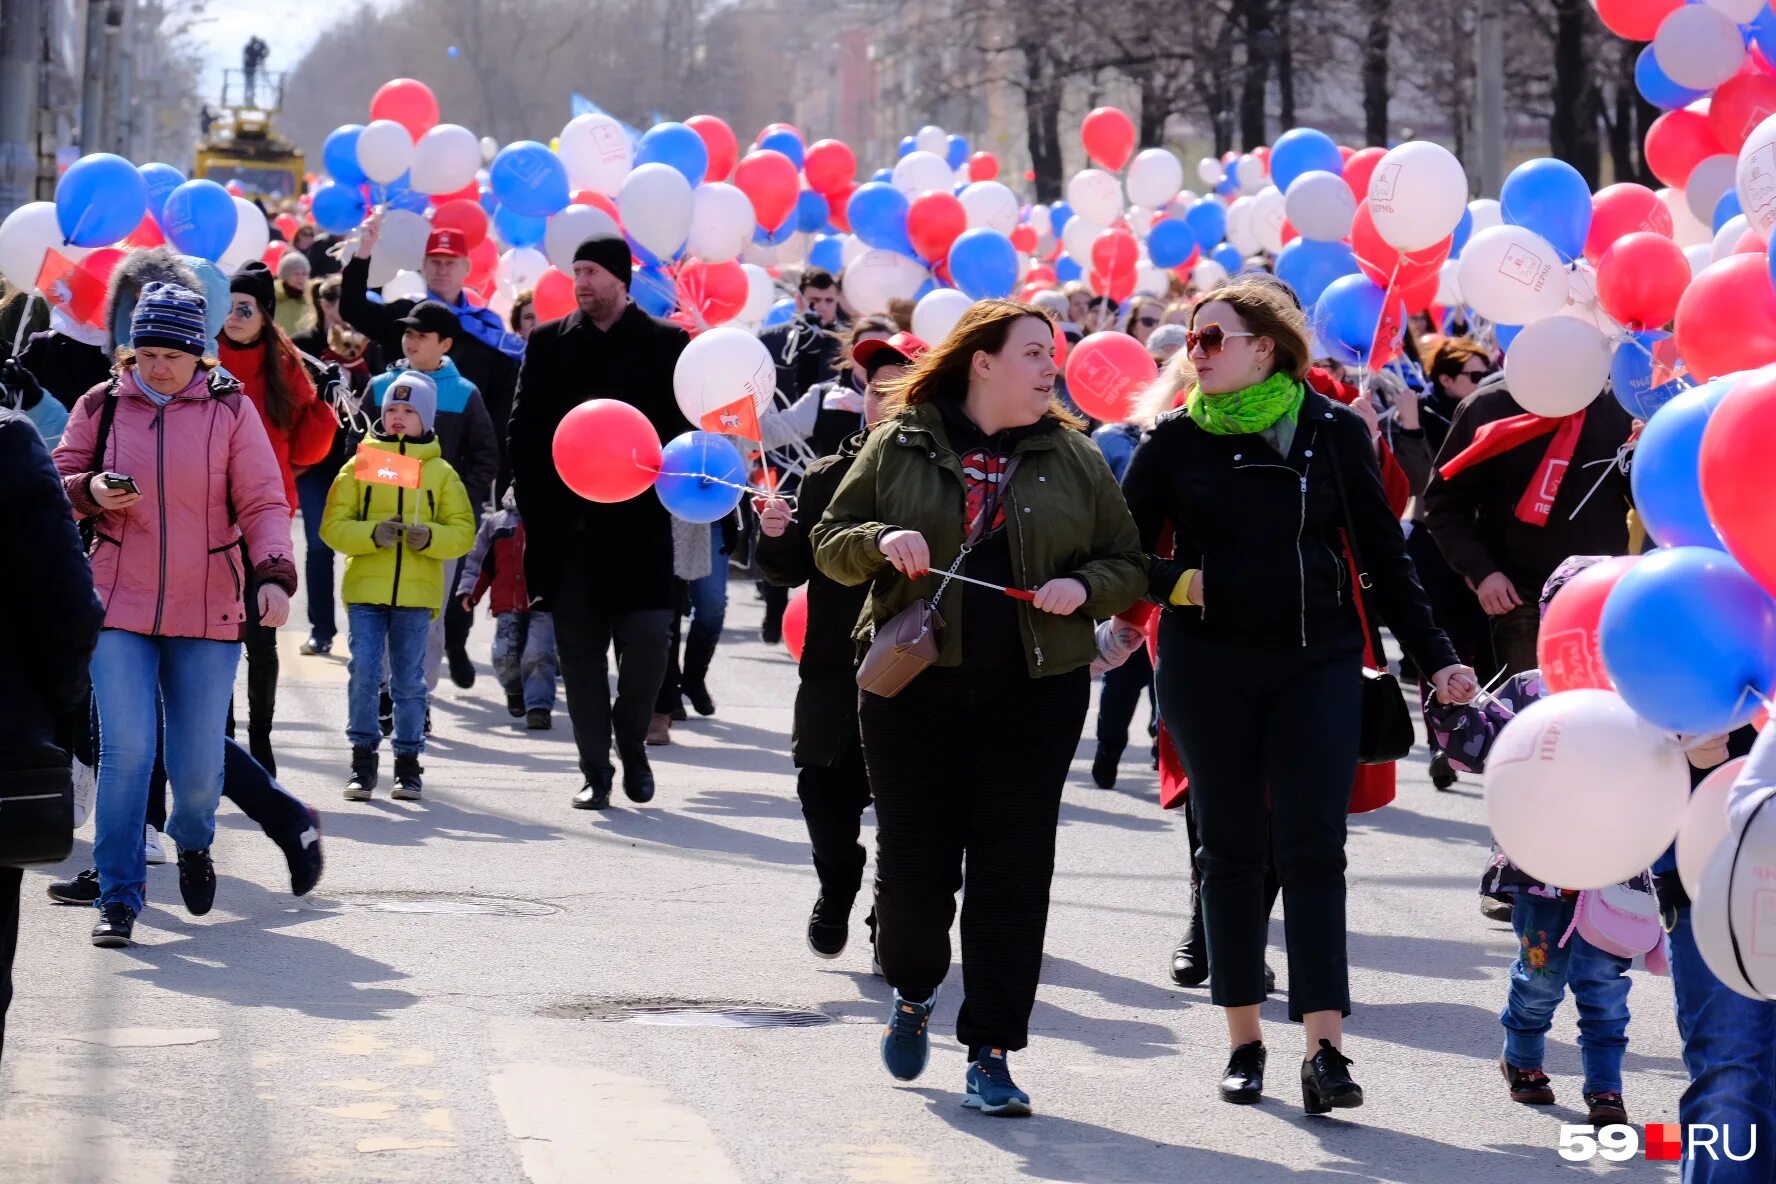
906,1042
991,1089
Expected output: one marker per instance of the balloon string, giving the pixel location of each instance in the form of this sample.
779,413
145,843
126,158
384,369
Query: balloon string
24,319
708,480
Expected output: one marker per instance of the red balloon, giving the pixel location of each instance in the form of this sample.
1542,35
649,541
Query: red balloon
146,234
778,127
1419,295
1750,244
554,295
409,103
1063,350
835,203
1115,253
1024,238
829,165
1345,153
1641,278
769,178
1676,143
1739,105
102,262
1734,466
286,225
606,450
1636,20
1042,273
795,622
1118,286
934,221
1109,137
716,291
1107,373
274,251
1726,320
983,166
1290,234
1622,209
1567,648
719,139
466,216
469,192
597,200
1358,167
483,260
1380,260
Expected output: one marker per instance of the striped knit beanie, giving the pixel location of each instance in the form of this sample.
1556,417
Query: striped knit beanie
170,317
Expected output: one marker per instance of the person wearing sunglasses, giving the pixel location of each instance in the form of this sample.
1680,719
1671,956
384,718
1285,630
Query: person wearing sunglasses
1144,316
1257,588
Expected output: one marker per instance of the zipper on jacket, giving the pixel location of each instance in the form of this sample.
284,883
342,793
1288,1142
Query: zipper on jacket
1301,561
161,494
400,544
1028,618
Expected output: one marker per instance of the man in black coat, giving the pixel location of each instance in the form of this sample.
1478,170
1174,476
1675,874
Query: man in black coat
43,667
605,570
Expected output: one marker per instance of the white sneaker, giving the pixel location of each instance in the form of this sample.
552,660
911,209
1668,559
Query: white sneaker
151,840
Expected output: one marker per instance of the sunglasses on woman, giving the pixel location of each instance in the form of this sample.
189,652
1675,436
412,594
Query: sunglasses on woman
243,310
1211,338
1147,322
1475,375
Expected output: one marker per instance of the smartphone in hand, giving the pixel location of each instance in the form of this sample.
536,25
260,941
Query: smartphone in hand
120,481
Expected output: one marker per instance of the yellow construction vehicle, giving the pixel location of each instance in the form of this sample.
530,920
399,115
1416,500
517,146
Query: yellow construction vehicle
240,146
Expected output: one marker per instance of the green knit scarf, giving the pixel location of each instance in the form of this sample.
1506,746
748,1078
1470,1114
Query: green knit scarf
1253,409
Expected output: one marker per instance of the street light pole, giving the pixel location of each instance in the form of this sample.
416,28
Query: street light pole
1489,96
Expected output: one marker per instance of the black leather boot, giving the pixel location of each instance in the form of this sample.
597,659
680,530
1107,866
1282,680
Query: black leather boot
699,652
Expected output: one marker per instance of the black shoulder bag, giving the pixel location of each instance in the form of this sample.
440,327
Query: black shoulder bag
1386,734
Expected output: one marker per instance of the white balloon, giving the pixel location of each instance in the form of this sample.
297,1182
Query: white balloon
571,227
1487,213
489,149
1699,257
1710,180
26,234
933,139
917,172
1207,274
1740,12
1686,229
721,222
1151,280
1041,220
1580,791
850,250
1755,178
1557,366
401,246
1266,224
1726,919
719,368
1077,238
1725,239
1154,177
1239,226
385,150
876,277
1210,171
1698,47
520,268
761,293
501,302
597,153
407,285
992,205
655,202
1417,194
252,234
1704,825
1448,282
937,313
1320,206
445,159
1512,276
759,256
1095,196
1582,302
1250,175
794,249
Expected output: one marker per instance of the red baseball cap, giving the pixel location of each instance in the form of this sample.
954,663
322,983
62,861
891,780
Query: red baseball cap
448,241
904,346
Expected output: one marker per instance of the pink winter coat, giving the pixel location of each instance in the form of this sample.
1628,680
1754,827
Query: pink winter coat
170,565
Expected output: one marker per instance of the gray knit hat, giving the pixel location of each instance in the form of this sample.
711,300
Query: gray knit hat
171,317
419,392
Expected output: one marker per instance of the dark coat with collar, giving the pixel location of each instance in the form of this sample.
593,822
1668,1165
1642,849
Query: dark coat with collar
566,363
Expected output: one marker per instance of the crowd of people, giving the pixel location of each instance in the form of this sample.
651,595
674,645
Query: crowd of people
974,552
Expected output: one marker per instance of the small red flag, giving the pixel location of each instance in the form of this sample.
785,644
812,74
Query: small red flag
379,467
739,418
77,292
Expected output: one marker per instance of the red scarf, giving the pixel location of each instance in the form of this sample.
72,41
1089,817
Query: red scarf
1502,435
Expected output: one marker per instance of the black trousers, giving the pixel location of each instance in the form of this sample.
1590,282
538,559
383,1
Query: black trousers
833,800
966,768
262,676
584,634
1121,698
1269,738
10,881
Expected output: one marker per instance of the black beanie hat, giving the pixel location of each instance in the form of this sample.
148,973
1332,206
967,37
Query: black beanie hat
256,280
609,251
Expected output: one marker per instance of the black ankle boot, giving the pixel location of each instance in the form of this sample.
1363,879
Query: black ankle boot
1326,1081
1190,961
699,652
1243,1082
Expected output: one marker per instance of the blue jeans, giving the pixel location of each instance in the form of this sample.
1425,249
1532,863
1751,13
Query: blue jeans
400,633
709,595
1539,979
195,679
524,657
317,575
1729,1048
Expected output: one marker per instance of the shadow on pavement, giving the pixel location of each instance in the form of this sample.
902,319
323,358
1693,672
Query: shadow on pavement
1424,957
671,827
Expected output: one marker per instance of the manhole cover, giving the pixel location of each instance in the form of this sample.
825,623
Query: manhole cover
449,904
687,1013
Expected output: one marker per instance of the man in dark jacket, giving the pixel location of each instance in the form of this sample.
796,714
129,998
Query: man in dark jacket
42,668
1515,494
604,570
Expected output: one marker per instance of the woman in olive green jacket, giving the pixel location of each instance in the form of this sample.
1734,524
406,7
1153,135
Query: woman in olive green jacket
967,763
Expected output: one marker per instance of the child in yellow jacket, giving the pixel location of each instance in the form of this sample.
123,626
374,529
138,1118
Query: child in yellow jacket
399,513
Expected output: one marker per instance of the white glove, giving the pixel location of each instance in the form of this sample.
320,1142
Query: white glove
1117,639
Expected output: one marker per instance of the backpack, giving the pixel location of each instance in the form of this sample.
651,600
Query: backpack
1621,919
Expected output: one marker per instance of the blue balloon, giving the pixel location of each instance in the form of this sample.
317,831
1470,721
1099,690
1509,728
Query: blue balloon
1463,231
883,175
1690,640
677,145
338,208
1659,90
701,477
200,219
100,199
531,180
1667,469
772,238
489,202
1348,313
1505,335
1067,269
454,52
340,155
1309,267
1726,209
782,313
1059,215
161,180
653,290
925,289
984,264
1208,219
827,253
518,230
1549,197
811,211
878,216
957,152
1640,381
401,195
1763,31
787,142
1171,243
1303,150
1228,186
1229,257
908,145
